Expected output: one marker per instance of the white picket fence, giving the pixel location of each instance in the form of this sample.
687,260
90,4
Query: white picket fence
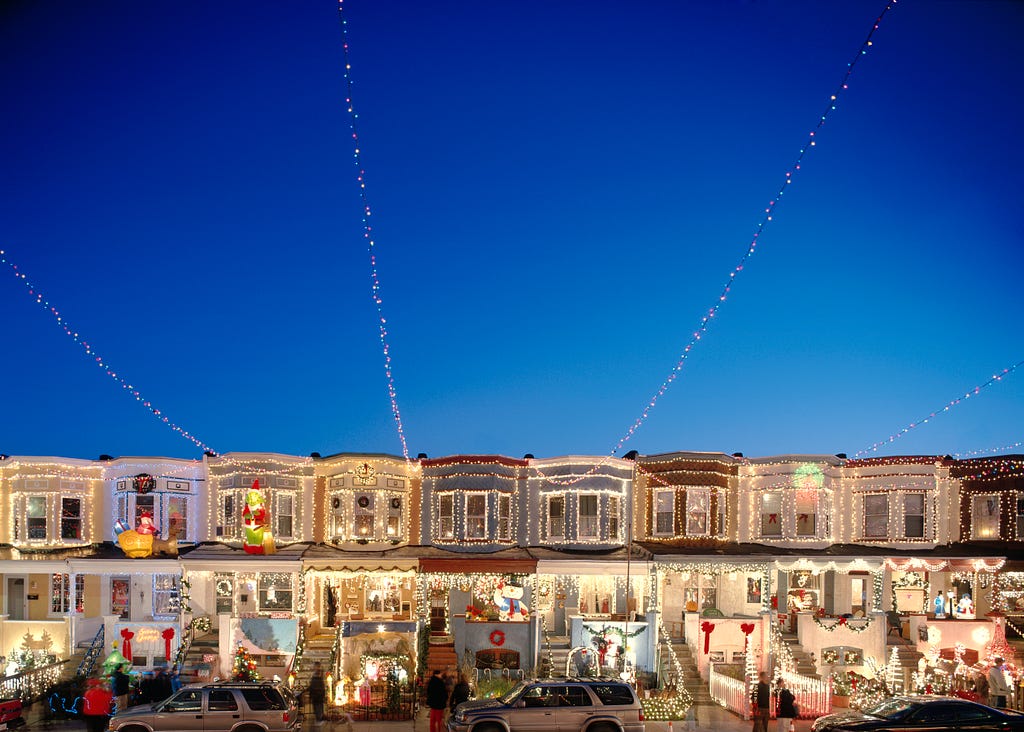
813,696
729,692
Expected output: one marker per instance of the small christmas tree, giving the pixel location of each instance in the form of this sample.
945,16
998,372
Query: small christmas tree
245,666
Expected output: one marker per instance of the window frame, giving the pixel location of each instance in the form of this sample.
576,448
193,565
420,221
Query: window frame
478,519
702,495
504,511
593,520
766,514
882,499
907,515
445,528
165,602
555,520
656,514
976,523
614,518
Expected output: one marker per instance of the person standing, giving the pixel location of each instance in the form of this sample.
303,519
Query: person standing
317,692
460,693
96,703
998,689
119,681
787,707
762,703
437,700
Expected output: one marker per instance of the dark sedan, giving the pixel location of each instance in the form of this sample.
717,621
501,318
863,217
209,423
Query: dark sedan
913,713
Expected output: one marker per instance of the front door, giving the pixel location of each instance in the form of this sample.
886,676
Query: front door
16,598
438,615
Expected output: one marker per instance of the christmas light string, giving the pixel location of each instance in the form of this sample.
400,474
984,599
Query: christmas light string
932,415
375,287
751,247
100,361
989,451
767,216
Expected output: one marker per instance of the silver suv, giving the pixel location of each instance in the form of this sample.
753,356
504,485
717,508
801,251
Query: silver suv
221,707
566,705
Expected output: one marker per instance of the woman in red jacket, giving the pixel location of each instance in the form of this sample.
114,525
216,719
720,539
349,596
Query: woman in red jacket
96,703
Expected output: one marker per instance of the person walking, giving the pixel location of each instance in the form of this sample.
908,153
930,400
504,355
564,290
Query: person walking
96,703
998,689
762,703
787,711
437,700
317,692
460,693
119,680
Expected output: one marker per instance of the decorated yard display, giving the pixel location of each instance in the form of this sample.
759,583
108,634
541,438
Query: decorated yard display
508,598
244,668
258,539
142,541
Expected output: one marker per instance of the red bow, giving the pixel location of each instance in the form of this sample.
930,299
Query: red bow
126,646
773,518
842,621
747,628
707,627
167,634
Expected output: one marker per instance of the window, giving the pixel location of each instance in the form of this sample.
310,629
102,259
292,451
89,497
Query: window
70,518
363,526
504,518
275,591
614,518
383,595
263,698
177,517
36,517
446,516
613,694
221,700
984,517
574,696
145,505
664,513
588,517
166,596
597,595
806,512
771,514
120,597
228,515
186,700
285,514
721,513
476,516
1020,519
395,517
60,593
913,516
225,590
698,504
876,516
556,517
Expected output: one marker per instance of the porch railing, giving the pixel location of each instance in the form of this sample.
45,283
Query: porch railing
88,662
300,646
813,696
33,683
733,694
201,625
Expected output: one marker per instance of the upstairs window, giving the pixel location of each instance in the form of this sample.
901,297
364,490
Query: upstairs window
395,517
698,507
35,517
476,516
588,527
876,516
166,595
177,516
614,518
985,517
664,513
504,518
70,518
228,516
806,512
556,517
364,516
446,516
771,514
913,516
285,515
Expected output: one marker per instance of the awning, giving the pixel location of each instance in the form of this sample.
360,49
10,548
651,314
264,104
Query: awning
953,564
473,564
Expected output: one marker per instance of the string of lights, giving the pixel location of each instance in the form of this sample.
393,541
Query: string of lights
375,286
932,415
62,323
989,451
767,217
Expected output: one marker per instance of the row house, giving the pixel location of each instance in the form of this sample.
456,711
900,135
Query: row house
484,548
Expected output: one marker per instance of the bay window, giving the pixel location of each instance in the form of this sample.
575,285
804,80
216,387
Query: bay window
446,516
698,505
476,516
504,518
35,517
70,518
913,516
985,516
806,512
614,518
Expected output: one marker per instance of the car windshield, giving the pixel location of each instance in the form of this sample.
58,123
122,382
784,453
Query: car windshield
509,697
891,709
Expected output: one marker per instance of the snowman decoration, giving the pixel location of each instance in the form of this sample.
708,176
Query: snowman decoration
509,601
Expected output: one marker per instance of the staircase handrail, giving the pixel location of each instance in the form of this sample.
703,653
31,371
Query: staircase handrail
335,647
201,624
88,662
547,643
300,646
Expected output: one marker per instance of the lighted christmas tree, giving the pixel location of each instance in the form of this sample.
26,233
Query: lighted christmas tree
245,666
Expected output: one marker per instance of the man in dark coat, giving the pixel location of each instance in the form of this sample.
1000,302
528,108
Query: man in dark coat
317,692
762,701
437,700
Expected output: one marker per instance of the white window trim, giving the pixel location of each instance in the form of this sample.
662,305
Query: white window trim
466,516
864,517
924,515
597,516
437,528
549,535
974,522
780,515
655,512
706,493
504,498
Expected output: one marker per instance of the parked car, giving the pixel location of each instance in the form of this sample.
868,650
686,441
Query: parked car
923,713
10,714
588,705
224,707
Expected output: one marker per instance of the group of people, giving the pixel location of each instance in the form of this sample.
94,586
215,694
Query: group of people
786,711
444,693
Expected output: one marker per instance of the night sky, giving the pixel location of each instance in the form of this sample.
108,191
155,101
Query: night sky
559,191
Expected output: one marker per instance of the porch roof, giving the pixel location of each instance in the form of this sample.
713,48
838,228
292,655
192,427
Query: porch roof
218,557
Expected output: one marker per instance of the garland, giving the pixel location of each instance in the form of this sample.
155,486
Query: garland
862,624
611,630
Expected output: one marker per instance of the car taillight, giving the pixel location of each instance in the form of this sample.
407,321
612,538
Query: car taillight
641,714
284,717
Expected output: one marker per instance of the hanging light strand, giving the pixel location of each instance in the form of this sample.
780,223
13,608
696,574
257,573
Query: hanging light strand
989,451
62,323
375,287
932,415
766,218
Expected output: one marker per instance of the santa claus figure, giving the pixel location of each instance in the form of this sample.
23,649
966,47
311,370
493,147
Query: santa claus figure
146,525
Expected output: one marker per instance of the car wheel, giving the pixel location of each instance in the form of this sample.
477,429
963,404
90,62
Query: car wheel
490,727
132,728
602,728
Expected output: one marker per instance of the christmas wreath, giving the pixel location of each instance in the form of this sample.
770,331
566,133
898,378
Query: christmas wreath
497,638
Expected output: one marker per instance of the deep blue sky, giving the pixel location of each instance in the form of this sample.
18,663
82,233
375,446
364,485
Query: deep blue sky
559,192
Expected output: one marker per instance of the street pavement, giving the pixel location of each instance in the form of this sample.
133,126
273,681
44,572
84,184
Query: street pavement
707,719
